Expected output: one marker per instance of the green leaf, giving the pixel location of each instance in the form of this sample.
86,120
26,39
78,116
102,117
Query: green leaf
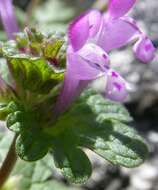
3,111
15,121
18,119
34,74
51,49
21,40
7,106
117,143
73,162
34,35
30,175
107,110
32,145
6,86
98,125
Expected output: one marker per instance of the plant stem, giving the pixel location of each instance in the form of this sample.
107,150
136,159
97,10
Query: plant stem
8,163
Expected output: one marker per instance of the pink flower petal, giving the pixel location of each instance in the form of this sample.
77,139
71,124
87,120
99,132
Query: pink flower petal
118,8
144,50
72,86
95,56
95,18
116,33
116,87
83,27
67,94
79,72
80,68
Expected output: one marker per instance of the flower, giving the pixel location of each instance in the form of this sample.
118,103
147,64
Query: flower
8,18
91,37
118,30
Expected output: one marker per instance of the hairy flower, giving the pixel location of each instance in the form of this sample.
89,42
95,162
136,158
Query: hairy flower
8,18
91,37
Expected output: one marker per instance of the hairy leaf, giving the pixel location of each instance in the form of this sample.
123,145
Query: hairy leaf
32,145
34,73
72,161
97,124
30,175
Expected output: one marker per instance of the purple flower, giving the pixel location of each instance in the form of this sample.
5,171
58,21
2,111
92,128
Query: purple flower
118,30
111,30
93,35
8,18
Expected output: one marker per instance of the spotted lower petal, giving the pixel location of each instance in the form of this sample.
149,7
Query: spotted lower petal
95,56
115,87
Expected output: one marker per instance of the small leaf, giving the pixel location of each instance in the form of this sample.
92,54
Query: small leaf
6,109
21,40
16,121
34,35
34,73
51,48
3,112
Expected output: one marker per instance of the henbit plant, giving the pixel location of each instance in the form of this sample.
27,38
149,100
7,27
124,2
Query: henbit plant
47,76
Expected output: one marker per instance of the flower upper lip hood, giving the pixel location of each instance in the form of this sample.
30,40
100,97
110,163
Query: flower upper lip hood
91,37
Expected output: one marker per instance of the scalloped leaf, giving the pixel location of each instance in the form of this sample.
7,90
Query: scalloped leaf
72,161
19,120
32,145
106,134
30,175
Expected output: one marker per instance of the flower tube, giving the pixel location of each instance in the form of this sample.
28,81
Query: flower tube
8,18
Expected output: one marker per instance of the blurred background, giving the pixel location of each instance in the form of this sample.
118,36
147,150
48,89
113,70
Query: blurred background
54,15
